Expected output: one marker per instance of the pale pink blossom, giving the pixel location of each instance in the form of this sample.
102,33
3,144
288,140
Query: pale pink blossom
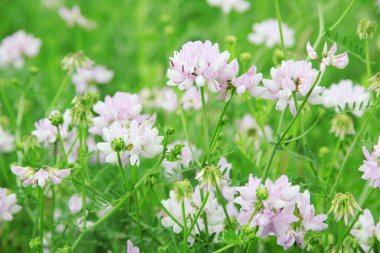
166,99
328,57
75,203
230,5
74,17
364,230
8,205
6,141
248,128
371,165
268,33
249,82
15,48
346,95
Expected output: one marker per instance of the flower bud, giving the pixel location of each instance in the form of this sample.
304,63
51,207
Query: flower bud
35,244
342,125
183,190
82,105
152,179
210,176
245,57
344,205
169,130
4,121
73,61
56,118
168,30
366,29
118,145
323,151
262,193
33,70
375,83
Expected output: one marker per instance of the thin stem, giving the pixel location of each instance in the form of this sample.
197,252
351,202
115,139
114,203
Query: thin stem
135,197
41,197
224,248
278,15
62,147
367,59
221,201
83,175
126,184
59,92
371,114
184,227
342,16
205,126
198,214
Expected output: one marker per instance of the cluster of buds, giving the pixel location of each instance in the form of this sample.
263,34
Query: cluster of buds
343,206
56,118
210,177
366,29
73,61
81,112
375,83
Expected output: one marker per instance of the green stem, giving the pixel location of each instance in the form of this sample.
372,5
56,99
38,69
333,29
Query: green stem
221,201
59,92
361,131
343,15
184,227
83,175
198,214
205,126
136,200
278,15
367,59
41,197
61,145
121,167
224,248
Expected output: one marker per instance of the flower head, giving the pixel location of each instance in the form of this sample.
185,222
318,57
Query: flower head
342,125
183,190
210,176
87,77
344,205
371,165
364,230
267,33
366,29
192,99
8,205
74,61
375,83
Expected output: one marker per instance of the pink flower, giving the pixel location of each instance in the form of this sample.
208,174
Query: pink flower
8,205
75,203
328,58
122,107
131,248
201,63
364,230
39,177
371,166
249,82
292,77
74,17
191,99
167,100
16,47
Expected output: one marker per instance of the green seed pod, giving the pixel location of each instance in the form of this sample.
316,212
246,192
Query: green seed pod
366,29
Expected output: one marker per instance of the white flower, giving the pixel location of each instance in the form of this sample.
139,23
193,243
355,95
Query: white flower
249,128
74,17
75,203
39,177
229,5
16,47
346,95
6,141
8,205
267,33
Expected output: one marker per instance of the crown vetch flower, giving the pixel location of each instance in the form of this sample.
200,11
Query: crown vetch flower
249,82
8,205
292,77
230,5
371,165
6,141
202,63
328,57
268,33
41,176
16,47
364,230
74,17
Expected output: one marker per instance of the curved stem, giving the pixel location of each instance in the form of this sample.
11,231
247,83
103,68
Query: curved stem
224,248
342,16
198,214
278,15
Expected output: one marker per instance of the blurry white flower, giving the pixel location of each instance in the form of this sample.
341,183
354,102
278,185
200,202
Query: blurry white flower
192,99
229,5
249,128
6,141
371,165
166,99
16,47
51,4
346,95
86,78
74,17
8,205
39,177
364,230
75,203
268,33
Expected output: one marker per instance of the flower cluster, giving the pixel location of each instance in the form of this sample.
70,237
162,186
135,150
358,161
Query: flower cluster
365,230
328,57
213,210
6,141
278,208
40,176
267,33
8,205
87,77
229,5
16,47
132,140
371,166
74,17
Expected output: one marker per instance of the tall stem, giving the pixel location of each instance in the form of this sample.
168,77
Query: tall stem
62,147
367,59
184,227
135,197
59,92
205,126
198,214
121,167
83,174
278,15
41,197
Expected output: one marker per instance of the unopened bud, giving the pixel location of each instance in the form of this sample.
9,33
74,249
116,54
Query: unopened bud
225,120
118,145
210,176
262,193
245,57
73,61
278,56
375,83
183,190
342,125
56,118
366,29
35,244
323,151
169,130
230,40
65,249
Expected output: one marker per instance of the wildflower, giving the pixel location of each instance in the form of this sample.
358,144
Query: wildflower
344,205
342,125
6,141
292,77
366,29
249,82
122,107
74,17
375,83
183,190
267,32
191,99
328,58
8,205
371,165
75,203
15,48
131,248
39,177
229,5
346,95
210,176
76,60
86,77
364,230
201,63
